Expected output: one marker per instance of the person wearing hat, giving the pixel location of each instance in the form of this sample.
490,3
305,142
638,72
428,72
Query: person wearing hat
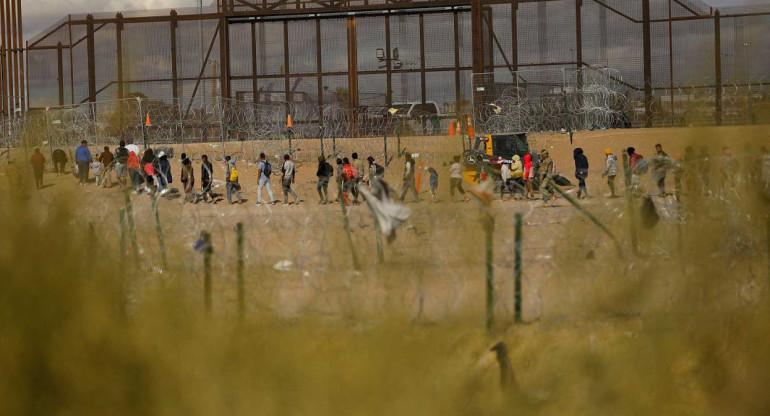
83,159
581,172
544,173
164,173
610,170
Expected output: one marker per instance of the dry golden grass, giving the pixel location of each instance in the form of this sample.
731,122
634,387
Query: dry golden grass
680,328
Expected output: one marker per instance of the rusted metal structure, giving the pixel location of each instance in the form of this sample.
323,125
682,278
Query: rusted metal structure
12,75
361,53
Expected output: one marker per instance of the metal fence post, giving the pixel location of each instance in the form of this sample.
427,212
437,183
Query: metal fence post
517,267
630,201
241,288
207,271
141,123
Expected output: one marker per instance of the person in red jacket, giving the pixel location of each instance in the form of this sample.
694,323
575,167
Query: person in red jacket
38,166
633,158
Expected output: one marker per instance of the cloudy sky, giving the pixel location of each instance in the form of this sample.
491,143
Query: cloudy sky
39,14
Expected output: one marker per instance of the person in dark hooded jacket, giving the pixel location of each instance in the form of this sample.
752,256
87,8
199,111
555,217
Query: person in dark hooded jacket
581,172
164,173
149,157
207,173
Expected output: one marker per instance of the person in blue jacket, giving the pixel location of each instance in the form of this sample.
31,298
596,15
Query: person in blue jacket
83,159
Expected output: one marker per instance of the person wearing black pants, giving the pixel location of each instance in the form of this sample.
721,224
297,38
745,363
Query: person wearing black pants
38,166
581,172
83,159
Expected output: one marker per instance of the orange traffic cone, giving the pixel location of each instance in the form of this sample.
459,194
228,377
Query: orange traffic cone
288,121
451,128
147,121
471,133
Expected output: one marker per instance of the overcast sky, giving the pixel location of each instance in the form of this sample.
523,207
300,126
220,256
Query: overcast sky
39,14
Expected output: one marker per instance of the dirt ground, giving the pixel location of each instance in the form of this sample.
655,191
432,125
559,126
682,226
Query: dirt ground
435,266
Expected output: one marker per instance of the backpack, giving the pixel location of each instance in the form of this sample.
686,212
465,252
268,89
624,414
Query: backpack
347,172
328,170
233,174
354,171
379,170
268,169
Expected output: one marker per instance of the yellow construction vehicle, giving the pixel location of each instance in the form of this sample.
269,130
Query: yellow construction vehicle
484,155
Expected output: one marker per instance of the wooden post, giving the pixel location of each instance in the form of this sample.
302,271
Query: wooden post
630,201
241,289
718,66
489,225
207,271
385,145
378,232
517,268
159,231
131,227
343,203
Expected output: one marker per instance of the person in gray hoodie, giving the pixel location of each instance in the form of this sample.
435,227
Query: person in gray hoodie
610,170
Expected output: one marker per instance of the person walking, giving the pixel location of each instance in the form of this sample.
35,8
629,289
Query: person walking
376,171
232,186
610,170
581,172
456,179
660,164
433,184
505,178
544,173
188,179
134,171
264,171
287,179
729,170
96,168
529,176
60,160
324,174
633,159
182,177
164,173
351,177
83,159
38,167
409,179
207,176
517,177
107,160
121,160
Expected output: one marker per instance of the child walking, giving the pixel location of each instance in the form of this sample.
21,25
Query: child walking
433,184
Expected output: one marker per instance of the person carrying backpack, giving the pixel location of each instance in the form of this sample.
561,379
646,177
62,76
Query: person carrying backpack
324,174
232,186
349,177
264,171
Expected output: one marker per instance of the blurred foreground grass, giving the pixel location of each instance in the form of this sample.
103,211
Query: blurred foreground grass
675,332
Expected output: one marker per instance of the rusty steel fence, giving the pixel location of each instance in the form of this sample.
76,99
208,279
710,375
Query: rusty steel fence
416,65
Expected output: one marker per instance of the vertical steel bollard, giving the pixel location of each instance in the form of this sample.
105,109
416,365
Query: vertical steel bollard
207,271
517,268
241,289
